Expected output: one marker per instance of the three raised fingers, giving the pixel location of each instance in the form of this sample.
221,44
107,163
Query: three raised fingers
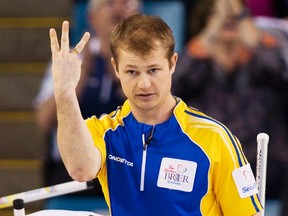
55,47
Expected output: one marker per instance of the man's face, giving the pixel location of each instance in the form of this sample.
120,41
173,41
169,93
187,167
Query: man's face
146,81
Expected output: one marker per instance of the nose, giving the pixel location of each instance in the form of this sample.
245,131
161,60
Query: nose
144,81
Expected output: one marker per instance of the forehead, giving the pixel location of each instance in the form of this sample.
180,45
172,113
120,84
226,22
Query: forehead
155,57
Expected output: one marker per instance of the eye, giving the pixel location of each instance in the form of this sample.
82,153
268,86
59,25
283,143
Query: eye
153,70
131,72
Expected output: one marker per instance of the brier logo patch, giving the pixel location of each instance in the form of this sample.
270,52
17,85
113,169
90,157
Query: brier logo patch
177,174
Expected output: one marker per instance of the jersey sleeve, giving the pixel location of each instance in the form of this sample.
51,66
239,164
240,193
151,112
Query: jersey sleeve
97,132
236,189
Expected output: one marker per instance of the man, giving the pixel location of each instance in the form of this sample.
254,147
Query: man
154,155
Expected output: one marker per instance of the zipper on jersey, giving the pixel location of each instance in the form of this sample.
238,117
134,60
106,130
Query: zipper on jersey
143,167
144,155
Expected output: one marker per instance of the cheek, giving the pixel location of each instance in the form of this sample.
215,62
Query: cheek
165,82
126,86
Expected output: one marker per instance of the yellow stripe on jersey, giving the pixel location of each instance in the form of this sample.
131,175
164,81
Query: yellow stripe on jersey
200,120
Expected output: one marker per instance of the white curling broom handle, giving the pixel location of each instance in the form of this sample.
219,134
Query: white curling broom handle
261,171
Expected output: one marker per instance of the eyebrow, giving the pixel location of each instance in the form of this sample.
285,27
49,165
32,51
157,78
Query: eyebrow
153,65
135,66
130,66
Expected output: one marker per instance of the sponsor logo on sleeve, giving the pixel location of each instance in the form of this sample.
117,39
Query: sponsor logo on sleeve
245,181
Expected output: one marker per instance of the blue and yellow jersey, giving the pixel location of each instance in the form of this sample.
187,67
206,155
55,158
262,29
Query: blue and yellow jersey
189,165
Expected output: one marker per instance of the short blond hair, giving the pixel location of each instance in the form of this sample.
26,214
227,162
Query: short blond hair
141,34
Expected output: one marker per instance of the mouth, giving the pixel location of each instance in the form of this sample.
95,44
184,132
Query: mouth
146,96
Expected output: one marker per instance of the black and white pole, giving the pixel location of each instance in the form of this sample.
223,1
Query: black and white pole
261,166
19,209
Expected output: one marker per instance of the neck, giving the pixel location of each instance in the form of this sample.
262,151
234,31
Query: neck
156,115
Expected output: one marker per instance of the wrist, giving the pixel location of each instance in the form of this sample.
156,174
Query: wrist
64,96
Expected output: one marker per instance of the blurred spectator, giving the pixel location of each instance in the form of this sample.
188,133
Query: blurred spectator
237,73
173,12
98,89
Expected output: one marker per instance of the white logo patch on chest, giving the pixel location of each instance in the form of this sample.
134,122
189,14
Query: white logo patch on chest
177,174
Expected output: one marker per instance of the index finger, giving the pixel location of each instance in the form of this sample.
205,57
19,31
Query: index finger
81,44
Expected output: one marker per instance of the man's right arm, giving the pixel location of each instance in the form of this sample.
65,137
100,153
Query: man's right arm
81,158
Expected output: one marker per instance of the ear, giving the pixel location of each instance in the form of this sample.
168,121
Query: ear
173,62
114,66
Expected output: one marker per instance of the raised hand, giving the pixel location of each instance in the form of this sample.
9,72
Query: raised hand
66,65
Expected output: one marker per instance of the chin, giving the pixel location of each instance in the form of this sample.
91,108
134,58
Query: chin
145,105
